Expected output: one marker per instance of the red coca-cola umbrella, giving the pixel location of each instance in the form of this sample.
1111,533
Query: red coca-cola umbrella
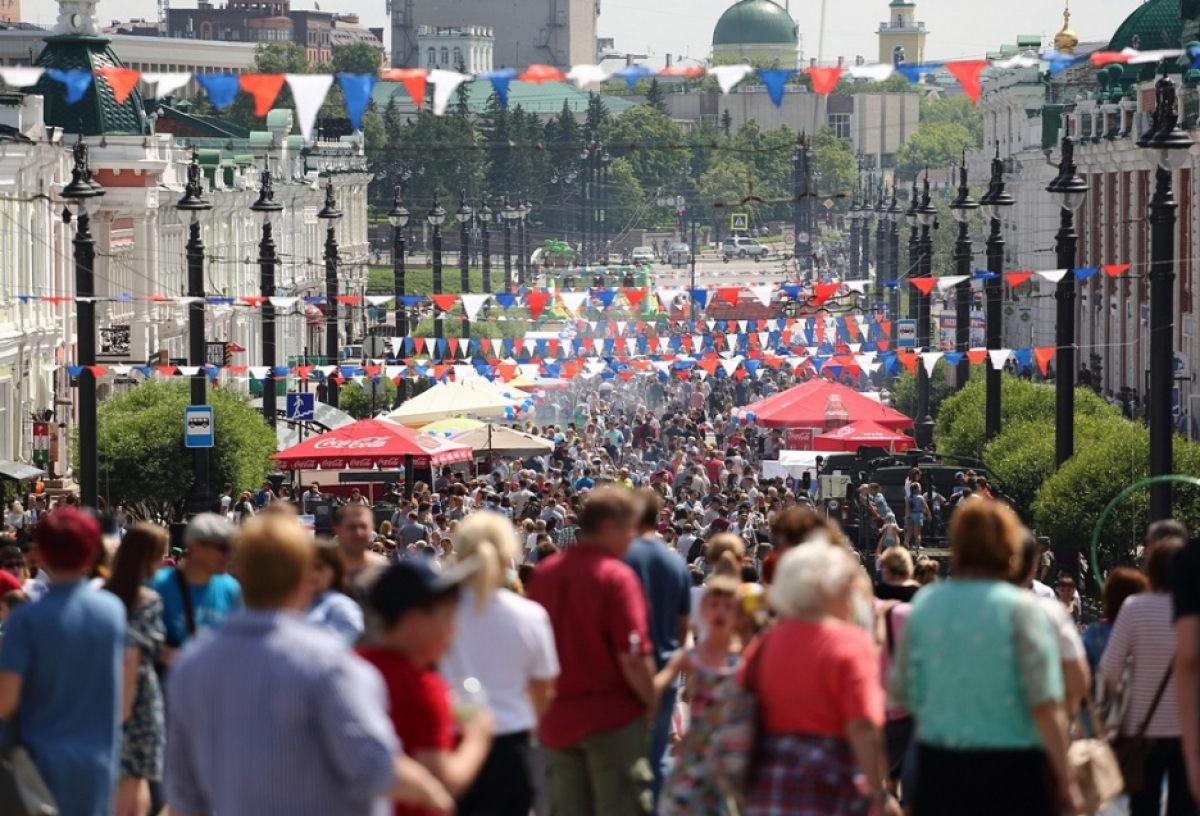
371,443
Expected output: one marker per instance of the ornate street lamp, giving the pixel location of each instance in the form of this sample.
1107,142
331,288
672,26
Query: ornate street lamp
963,208
436,217
330,214
996,204
398,217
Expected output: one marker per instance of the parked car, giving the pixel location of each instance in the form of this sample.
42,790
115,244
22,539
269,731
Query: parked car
679,254
743,247
642,255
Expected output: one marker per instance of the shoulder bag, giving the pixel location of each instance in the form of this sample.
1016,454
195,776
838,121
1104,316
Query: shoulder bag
23,792
1094,768
735,740
1132,751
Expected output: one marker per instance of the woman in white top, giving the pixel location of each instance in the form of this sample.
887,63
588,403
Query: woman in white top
505,642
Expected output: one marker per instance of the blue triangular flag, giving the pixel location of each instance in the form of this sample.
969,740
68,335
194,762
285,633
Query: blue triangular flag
1058,62
632,73
500,79
913,73
1024,358
1086,272
77,82
505,299
221,88
983,274
356,91
74,371
411,300
775,79
700,296
953,358
605,296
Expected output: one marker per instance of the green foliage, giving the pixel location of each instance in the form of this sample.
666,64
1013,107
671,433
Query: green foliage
833,159
939,144
952,110
626,136
904,390
365,400
961,417
511,328
656,97
141,451
356,58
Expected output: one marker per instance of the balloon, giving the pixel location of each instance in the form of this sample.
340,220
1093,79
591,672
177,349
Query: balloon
750,416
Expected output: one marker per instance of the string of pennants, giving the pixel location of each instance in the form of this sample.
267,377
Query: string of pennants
309,90
577,300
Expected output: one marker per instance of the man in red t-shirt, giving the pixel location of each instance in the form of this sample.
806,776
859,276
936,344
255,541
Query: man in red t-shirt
596,728
418,606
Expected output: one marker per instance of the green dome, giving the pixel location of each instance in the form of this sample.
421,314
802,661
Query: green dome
1154,25
758,22
98,112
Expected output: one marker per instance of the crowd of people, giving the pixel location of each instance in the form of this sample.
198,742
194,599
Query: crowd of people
639,623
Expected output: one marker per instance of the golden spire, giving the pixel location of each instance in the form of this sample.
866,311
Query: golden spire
1066,39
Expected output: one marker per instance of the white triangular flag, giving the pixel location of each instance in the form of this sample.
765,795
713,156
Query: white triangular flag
864,361
473,303
950,281
283,302
445,83
189,371
875,73
730,75
497,346
378,300
667,297
857,286
397,345
309,91
1054,275
260,372
929,360
742,326
393,371
999,357
20,76
122,370
1019,61
631,344
731,365
585,75
763,292
164,84
1142,57
573,300
621,324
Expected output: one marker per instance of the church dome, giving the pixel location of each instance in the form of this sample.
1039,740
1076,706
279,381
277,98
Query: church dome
1154,25
1066,39
755,22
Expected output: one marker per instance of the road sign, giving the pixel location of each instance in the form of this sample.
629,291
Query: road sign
198,426
739,221
301,407
802,238
828,203
789,238
906,333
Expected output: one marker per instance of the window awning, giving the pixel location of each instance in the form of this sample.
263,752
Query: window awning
18,471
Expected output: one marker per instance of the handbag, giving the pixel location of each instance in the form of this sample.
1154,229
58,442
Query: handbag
1132,751
23,792
1094,768
734,740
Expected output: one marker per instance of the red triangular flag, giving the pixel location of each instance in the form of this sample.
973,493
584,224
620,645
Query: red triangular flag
824,80
541,73
348,300
121,81
634,296
506,371
1015,279
977,356
1112,270
925,285
414,81
264,88
730,294
98,371
166,371
967,73
444,302
452,342
253,300
1102,58
909,359
1044,355
419,345
823,291
536,300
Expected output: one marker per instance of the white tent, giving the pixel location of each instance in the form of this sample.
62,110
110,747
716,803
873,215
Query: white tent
452,400
504,441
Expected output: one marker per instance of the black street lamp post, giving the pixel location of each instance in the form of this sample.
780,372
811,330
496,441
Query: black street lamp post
463,214
865,216
881,228
914,248
193,210
508,214
267,211
436,217
854,216
927,217
1170,145
996,203
963,208
524,209
398,217
83,196
330,214
485,216
895,218
1068,189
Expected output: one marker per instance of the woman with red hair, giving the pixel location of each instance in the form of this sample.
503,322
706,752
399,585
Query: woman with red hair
60,669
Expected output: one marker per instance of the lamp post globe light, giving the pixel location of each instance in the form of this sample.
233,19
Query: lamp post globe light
464,213
193,210
398,217
963,208
436,217
330,214
927,218
996,204
267,212
1170,145
83,197
508,214
1067,190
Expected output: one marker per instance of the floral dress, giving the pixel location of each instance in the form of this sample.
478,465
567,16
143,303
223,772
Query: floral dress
144,732
691,788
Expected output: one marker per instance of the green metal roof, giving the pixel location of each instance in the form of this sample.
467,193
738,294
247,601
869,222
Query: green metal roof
545,99
98,113
1156,24
755,22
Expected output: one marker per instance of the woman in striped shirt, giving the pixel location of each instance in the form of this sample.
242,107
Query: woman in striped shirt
1144,636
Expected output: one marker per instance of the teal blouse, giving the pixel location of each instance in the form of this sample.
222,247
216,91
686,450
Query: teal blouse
975,658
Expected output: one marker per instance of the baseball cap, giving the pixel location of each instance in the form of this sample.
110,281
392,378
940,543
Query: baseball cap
416,583
210,529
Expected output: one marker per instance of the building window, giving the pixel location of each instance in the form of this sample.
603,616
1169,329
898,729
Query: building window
840,122
898,55
458,58
431,58
445,56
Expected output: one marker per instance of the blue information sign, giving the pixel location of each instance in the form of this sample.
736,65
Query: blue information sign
301,407
198,426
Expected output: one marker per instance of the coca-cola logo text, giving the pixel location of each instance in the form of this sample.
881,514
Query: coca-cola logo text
366,443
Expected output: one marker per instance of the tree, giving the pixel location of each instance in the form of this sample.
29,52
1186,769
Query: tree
141,451
935,145
726,122
904,390
833,159
725,183
642,135
656,97
356,58
366,399
953,110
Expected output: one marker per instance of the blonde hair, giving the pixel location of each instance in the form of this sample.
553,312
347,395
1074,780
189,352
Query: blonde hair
490,539
725,552
807,577
897,561
273,556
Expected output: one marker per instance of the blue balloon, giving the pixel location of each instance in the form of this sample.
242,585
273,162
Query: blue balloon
750,417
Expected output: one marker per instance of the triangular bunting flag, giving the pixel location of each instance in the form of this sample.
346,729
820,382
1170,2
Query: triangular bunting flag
1044,354
473,303
967,73
948,282
536,300
1015,279
308,92
264,88
121,81
924,285
1053,275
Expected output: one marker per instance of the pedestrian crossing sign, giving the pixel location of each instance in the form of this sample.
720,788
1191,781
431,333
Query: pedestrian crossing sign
739,221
